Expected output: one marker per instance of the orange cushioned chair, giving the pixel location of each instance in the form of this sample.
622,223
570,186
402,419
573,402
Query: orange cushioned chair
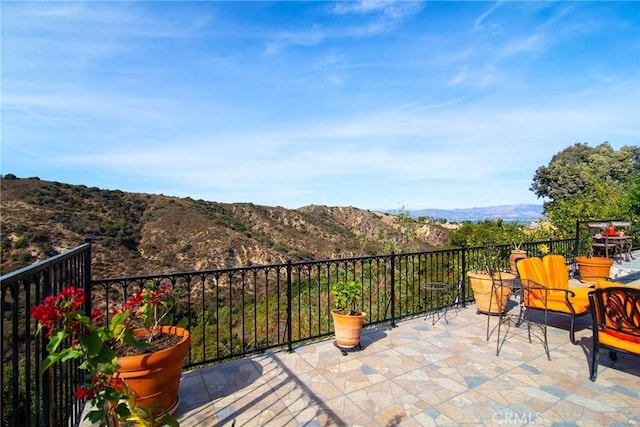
615,310
546,287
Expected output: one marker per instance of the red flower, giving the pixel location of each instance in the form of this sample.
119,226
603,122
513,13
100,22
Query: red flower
97,316
82,392
117,383
134,301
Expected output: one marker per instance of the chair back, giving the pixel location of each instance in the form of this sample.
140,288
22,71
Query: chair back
615,310
533,276
557,271
532,269
493,255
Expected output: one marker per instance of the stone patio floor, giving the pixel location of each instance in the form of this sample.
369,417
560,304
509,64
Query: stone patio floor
419,374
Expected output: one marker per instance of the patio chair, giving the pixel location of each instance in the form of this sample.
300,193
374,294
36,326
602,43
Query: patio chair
553,293
538,296
615,311
503,284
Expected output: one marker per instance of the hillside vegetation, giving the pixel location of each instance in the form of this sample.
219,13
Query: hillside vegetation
139,234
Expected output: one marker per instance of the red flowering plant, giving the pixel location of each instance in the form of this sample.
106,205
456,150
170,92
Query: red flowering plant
89,338
147,308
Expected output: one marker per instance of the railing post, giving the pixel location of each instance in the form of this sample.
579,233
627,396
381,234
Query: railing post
87,275
393,289
576,251
47,388
289,299
463,278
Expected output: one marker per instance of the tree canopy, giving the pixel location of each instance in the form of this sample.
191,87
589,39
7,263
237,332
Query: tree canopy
583,182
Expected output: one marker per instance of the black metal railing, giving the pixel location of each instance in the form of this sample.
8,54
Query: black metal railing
230,313
29,399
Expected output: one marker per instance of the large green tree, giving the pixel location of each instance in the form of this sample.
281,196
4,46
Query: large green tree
583,182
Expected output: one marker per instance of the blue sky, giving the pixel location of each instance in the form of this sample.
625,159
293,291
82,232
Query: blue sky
376,105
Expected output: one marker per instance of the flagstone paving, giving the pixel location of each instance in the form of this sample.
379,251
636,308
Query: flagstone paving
419,374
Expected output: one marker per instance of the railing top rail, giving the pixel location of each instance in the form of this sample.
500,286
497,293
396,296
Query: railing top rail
146,277
42,265
229,270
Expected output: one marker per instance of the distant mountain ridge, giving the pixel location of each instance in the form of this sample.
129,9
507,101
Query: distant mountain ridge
521,213
138,234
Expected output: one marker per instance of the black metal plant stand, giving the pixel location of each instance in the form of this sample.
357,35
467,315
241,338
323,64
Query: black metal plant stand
347,350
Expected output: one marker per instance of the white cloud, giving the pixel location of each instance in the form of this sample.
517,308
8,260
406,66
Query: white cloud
480,25
385,15
531,43
284,39
394,10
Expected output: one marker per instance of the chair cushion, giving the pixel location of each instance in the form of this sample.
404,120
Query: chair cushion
619,340
556,301
532,269
580,301
557,271
604,283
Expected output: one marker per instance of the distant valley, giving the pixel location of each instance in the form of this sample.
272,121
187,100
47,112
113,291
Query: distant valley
520,213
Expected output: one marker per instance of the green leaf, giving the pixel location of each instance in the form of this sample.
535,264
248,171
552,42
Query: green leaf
106,360
122,410
168,420
48,362
119,318
70,353
91,342
129,339
55,340
96,416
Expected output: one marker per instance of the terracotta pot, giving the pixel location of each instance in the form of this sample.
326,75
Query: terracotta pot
347,328
515,255
594,267
155,377
481,285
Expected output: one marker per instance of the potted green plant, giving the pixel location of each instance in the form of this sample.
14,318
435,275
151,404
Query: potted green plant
103,348
347,320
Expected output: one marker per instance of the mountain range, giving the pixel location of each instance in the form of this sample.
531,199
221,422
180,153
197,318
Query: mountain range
521,213
138,234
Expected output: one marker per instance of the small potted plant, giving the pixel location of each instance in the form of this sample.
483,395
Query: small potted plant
516,254
347,320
